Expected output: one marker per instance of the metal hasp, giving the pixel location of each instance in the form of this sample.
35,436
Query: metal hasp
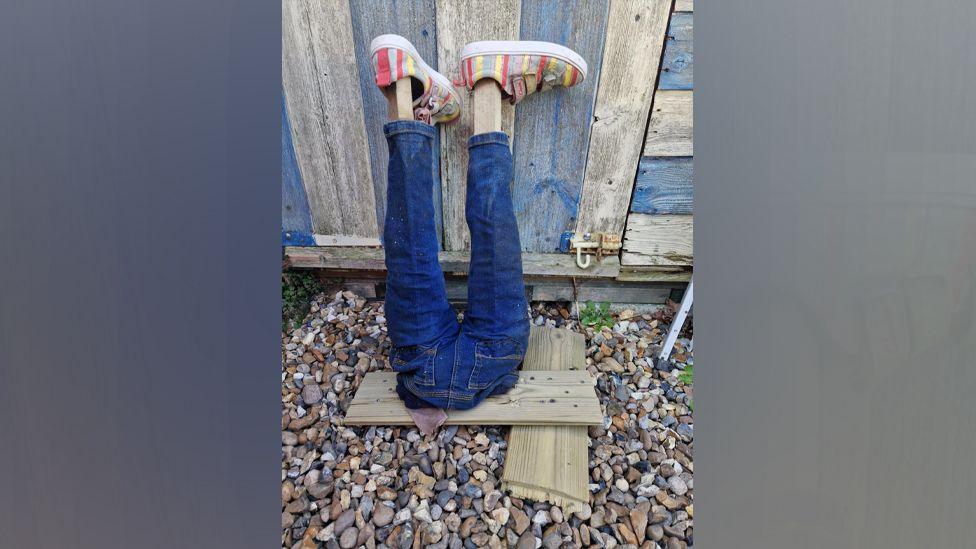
587,244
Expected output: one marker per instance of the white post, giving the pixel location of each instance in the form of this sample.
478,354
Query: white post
679,320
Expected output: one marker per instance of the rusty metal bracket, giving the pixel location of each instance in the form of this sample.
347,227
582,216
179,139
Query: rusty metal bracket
586,244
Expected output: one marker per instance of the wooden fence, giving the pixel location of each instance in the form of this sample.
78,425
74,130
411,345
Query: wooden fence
613,154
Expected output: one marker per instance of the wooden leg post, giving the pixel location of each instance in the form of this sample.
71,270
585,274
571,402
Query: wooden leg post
399,97
487,105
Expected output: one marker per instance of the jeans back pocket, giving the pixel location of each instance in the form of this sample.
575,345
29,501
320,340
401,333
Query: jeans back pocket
493,358
415,359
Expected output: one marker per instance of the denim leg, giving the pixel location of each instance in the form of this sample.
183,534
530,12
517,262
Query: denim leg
497,308
417,310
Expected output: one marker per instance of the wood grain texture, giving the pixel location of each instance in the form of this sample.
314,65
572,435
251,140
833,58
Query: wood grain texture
547,463
552,128
295,215
671,129
415,21
679,60
372,259
664,186
551,398
684,5
598,291
317,66
623,103
653,274
486,107
658,240
457,24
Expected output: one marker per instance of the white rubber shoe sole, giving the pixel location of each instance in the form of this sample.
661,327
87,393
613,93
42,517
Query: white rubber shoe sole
399,42
524,47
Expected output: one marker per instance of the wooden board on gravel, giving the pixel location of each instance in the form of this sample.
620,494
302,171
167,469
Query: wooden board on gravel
544,398
550,463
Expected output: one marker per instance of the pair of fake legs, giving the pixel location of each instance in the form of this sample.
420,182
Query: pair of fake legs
417,308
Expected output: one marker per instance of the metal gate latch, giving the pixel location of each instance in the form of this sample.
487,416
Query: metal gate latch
598,244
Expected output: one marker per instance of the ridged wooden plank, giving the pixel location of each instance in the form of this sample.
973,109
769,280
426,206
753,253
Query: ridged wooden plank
677,71
457,24
549,398
547,463
623,103
372,259
658,240
415,21
664,186
296,221
553,128
671,129
318,63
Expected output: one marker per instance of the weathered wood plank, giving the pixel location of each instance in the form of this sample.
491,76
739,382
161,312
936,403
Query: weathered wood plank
317,65
457,24
551,398
679,59
547,463
658,240
372,259
623,104
653,274
415,21
671,129
598,291
664,186
684,5
553,128
296,221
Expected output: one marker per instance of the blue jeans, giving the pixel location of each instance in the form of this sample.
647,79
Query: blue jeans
440,362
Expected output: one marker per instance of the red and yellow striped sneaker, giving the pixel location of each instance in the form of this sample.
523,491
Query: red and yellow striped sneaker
434,98
521,67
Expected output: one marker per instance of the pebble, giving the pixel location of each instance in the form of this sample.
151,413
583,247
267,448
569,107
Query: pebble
383,515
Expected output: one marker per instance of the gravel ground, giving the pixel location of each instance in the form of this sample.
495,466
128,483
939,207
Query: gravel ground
393,487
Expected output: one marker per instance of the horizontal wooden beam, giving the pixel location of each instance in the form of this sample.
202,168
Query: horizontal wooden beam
664,186
671,129
658,240
539,398
372,259
678,65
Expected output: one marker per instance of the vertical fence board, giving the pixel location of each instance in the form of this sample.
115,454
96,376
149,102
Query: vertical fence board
623,103
457,24
318,63
415,21
664,186
552,129
296,221
679,58
671,130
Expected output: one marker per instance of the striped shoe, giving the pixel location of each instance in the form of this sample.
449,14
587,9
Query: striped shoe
434,98
521,67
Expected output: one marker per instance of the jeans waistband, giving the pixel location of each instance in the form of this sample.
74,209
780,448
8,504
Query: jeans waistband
409,126
499,138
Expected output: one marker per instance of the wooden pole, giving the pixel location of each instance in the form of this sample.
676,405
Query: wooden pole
487,105
399,97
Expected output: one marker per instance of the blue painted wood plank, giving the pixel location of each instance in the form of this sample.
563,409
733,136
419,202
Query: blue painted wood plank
295,214
415,20
664,186
677,67
552,128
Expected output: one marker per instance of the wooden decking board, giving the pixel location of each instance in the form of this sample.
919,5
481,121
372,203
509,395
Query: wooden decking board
457,262
551,398
547,462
